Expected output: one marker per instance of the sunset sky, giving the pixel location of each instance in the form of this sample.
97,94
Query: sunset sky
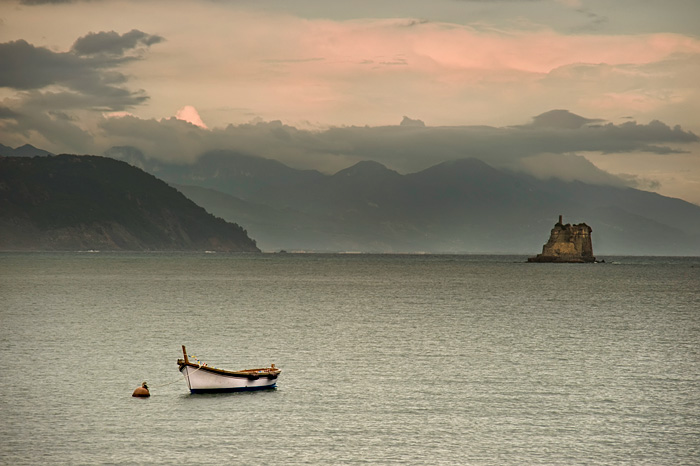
324,84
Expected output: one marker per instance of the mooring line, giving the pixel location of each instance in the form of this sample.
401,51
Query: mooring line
176,381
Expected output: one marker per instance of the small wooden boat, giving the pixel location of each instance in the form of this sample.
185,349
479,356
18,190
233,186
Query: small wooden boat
204,379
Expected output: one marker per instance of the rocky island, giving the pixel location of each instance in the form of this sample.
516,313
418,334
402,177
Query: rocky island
567,243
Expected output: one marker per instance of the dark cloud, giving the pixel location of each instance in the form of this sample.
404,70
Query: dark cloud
33,68
541,148
62,116
7,113
544,148
594,21
111,43
28,67
648,135
107,99
414,22
560,131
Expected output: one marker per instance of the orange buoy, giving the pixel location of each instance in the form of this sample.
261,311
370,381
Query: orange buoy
142,391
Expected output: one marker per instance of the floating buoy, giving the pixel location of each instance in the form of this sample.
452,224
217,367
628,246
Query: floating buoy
142,390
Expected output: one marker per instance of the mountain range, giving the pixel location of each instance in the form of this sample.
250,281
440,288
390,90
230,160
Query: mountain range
462,206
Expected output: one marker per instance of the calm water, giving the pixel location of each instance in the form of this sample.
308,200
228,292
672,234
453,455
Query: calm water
419,360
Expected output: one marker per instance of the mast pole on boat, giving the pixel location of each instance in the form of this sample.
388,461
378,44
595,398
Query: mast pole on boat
187,368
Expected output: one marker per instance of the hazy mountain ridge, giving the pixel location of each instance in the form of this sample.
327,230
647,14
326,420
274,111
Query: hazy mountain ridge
461,206
458,206
26,150
70,202
229,172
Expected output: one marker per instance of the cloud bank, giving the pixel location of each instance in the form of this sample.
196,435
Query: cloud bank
546,147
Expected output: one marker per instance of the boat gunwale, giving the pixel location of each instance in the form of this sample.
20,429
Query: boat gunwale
247,373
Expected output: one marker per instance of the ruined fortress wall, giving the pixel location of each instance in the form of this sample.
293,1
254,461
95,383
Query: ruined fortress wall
567,243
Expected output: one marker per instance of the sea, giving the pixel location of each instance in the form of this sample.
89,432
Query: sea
386,359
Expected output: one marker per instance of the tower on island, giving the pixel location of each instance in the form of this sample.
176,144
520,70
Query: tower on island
567,243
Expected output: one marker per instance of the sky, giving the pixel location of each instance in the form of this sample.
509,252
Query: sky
596,90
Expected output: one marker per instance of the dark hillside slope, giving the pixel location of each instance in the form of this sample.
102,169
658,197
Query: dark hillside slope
70,202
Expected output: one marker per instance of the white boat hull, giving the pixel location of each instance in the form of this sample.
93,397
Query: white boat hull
204,379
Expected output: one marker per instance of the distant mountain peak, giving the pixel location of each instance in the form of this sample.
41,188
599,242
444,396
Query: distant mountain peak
411,122
27,150
462,165
365,168
562,119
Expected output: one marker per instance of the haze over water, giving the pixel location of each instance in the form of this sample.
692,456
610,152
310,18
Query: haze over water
478,360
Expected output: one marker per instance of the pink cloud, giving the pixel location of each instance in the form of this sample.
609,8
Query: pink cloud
326,58
375,70
333,46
